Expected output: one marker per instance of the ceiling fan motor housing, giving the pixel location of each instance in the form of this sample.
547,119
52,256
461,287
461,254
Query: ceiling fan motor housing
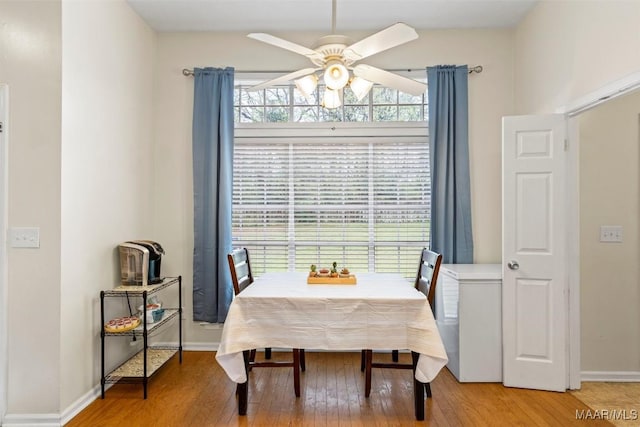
332,47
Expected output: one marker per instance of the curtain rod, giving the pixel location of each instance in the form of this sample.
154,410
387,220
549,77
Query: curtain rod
188,72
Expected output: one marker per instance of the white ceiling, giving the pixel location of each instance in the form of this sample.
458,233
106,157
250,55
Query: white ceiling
315,15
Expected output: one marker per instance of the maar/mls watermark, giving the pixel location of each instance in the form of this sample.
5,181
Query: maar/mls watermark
607,414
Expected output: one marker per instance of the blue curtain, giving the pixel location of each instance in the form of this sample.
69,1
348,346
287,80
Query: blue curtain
212,192
449,150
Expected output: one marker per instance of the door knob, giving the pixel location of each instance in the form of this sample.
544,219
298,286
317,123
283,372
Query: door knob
513,265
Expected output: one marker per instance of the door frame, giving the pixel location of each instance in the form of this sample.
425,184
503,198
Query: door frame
573,109
4,304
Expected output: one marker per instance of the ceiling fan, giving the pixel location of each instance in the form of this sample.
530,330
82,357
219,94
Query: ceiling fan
336,56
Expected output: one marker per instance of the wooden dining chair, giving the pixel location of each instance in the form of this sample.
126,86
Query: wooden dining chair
426,281
241,277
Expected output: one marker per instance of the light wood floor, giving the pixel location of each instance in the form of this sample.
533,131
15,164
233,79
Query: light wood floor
198,393
609,396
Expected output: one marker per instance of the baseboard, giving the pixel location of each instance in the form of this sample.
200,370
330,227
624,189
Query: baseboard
76,407
31,420
50,420
610,376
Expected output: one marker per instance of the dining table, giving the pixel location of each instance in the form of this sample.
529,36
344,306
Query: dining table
381,311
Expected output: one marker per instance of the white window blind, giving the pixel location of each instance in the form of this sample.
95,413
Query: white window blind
363,202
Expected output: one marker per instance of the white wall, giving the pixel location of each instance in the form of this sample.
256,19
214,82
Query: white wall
610,195
490,97
567,49
95,126
30,59
563,51
107,169
4,118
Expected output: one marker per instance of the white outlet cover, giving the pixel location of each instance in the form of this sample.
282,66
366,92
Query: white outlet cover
24,237
611,233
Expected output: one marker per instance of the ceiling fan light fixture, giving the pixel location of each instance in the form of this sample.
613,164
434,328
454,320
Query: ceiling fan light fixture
306,85
360,87
336,75
332,98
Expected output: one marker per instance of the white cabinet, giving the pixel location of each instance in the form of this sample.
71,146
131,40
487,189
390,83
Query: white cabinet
469,317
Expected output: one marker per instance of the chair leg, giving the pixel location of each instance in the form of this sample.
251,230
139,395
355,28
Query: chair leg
367,373
363,356
252,358
427,388
267,353
418,390
303,363
394,355
296,371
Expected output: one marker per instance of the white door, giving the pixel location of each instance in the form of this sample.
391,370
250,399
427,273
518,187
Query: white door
534,303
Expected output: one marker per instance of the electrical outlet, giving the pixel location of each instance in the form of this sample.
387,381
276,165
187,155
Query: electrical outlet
611,233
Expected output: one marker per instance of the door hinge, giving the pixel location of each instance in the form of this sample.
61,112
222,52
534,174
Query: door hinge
1,127
566,145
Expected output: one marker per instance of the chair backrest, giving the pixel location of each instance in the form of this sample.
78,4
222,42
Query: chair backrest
428,274
240,269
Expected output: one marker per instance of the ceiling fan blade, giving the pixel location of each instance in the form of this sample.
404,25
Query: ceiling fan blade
392,36
394,81
285,44
283,79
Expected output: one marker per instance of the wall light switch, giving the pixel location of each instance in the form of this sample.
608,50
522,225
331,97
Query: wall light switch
24,237
611,233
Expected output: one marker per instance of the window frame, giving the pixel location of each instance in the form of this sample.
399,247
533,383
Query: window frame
245,80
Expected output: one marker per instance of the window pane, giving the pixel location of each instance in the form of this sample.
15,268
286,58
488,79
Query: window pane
317,225
350,98
355,258
409,113
276,114
299,99
380,105
391,259
384,95
305,114
277,95
334,115
385,113
252,115
364,205
267,258
252,97
406,98
354,113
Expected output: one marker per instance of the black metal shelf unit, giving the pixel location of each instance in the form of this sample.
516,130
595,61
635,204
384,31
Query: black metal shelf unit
141,366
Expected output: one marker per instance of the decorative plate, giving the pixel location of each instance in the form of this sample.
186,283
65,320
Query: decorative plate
122,324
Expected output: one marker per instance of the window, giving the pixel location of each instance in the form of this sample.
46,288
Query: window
282,104
359,196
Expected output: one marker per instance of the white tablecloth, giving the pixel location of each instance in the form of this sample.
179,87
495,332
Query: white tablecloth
381,312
